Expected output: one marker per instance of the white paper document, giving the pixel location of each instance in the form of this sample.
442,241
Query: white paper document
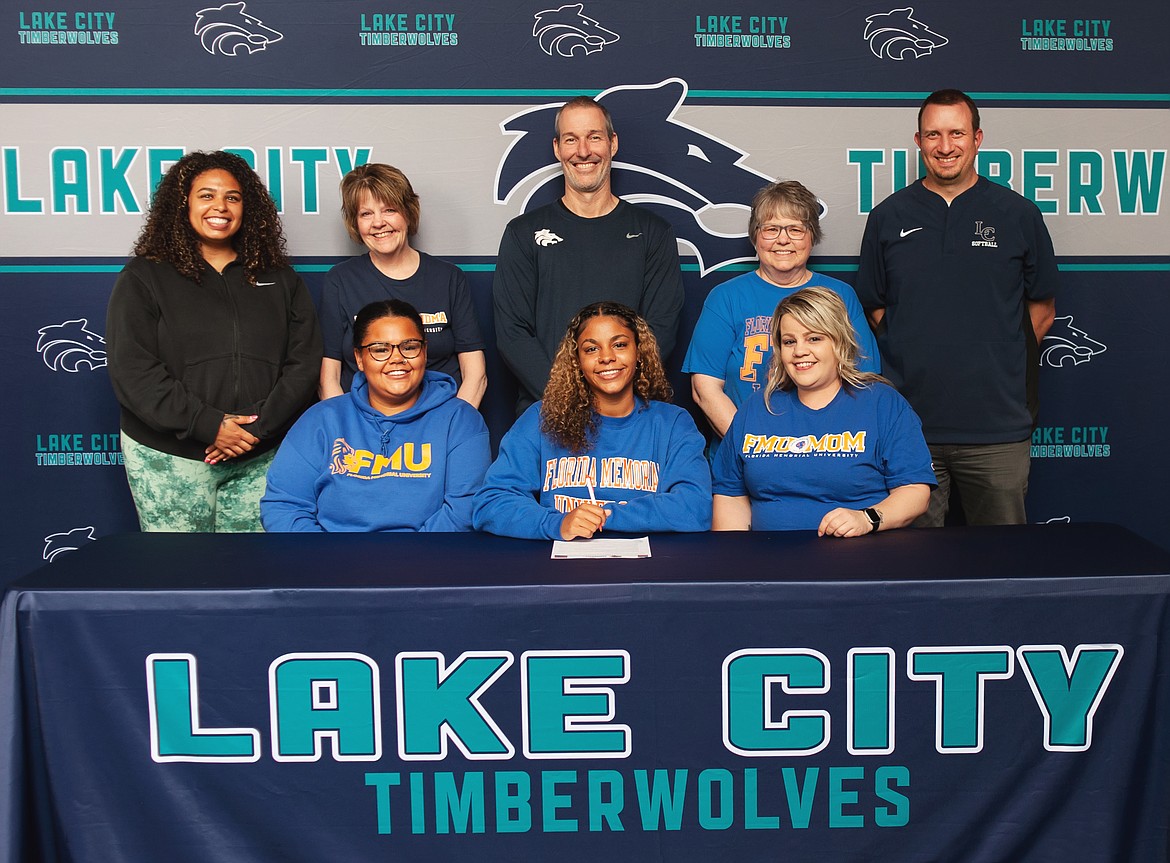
588,549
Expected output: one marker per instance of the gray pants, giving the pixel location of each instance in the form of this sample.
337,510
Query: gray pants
992,481
182,495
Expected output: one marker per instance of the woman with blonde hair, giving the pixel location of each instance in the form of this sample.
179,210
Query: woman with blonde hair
603,449
824,446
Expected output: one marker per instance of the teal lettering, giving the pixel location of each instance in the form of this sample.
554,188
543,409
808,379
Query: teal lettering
158,162
437,704
1086,181
381,783
708,779
348,159
418,817
605,809
839,797
1139,180
113,182
752,819
960,675
1035,182
1069,692
325,696
13,202
462,805
518,802
884,777
866,161
660,800
70,173
901,164
567,712
996,165
749,681
551,801
173,702
871,701
800,794
276,177
310,158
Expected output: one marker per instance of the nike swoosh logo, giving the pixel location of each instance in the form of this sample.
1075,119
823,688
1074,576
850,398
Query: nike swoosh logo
906,233
632,236
264,284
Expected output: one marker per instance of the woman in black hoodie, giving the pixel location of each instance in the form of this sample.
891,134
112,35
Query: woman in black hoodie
214,348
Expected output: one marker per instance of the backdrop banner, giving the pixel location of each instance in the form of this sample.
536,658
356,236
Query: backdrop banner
710,102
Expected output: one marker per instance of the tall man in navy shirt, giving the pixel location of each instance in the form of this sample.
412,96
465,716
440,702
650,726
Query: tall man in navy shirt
959,278
587,246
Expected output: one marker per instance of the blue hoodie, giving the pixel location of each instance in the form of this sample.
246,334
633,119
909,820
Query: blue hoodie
647,469
346,467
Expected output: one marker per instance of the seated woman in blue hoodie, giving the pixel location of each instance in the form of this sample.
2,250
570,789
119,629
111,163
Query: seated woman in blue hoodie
602,449
397,452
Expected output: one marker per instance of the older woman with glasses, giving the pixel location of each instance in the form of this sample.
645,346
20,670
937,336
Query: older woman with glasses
732,344
398,452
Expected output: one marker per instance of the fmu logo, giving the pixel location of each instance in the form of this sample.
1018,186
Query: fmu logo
897,35
694,180
567,32
71,347
231,31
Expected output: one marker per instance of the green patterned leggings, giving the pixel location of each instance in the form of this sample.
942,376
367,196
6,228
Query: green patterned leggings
182,495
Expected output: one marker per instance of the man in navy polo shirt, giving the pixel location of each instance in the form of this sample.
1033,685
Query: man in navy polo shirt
959,278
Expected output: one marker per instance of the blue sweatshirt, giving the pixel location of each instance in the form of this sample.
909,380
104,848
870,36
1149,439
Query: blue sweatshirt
647,469
346,467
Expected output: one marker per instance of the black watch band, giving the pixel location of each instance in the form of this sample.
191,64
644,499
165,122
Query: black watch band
875,518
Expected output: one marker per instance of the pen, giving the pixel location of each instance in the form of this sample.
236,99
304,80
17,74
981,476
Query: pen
589,485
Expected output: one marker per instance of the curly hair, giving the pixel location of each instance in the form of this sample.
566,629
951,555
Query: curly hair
168,235
822,311
567,414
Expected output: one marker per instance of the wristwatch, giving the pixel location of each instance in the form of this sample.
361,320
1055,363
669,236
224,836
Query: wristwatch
875,518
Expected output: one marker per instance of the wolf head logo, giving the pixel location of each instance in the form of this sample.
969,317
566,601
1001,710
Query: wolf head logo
58,543
231,31
896,35
1066,345
71,347
682,173
568,31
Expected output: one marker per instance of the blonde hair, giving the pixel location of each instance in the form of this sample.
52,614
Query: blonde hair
820,310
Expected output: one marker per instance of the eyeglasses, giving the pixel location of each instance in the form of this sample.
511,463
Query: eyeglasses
381,351
795,233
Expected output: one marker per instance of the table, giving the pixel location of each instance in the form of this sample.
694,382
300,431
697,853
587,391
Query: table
961,694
